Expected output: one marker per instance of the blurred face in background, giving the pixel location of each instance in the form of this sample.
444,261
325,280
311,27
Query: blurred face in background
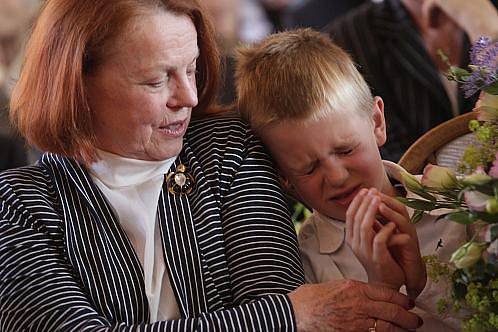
143,93
225,17
15,15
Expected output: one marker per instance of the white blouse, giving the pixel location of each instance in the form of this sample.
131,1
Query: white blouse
132,187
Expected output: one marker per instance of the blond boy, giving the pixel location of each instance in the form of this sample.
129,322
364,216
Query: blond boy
313,110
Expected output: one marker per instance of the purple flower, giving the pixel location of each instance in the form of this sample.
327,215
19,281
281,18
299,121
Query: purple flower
484,54
472,84
484,61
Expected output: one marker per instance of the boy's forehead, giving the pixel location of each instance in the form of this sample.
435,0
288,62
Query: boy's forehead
334,131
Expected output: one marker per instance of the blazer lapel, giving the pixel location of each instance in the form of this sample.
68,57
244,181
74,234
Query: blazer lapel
181,251
193,244
97,246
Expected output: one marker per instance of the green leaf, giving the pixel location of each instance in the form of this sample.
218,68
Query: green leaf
461,217
417,204
491,89
417,215
425,195
459,73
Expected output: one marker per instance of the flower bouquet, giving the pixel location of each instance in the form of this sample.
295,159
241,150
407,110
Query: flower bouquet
470,198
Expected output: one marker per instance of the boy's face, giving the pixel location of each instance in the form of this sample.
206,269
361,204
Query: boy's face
330,160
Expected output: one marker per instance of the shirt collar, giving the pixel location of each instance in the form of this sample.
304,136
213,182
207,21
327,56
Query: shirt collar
330,233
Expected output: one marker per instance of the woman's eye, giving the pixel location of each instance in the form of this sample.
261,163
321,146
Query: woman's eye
309,171
191,72
155,84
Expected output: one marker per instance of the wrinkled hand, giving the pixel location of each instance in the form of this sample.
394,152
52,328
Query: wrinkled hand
404,245
347,306
369,240
476,17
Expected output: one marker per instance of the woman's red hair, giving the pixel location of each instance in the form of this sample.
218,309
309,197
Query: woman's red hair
49,105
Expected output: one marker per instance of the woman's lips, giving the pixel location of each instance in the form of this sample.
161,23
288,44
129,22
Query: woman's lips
175,129
346,199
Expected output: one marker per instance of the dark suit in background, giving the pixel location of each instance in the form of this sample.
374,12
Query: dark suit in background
12,150
385,43
318,13
12,153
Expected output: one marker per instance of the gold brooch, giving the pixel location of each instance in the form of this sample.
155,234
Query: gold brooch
180,182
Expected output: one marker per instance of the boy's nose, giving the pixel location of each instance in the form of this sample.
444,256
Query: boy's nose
335,173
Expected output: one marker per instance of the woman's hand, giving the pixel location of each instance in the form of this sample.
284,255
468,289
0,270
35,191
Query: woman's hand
369,240
346,305
404,245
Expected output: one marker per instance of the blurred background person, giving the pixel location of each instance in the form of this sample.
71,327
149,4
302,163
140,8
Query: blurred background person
396,43
226,16
317,14
15,19
242,21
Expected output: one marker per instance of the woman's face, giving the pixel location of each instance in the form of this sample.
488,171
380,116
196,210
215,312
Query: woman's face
143,93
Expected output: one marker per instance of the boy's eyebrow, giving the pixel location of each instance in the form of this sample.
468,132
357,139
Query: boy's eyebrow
346,144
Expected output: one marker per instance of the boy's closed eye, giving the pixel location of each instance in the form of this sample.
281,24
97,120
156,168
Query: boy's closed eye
308,170
345,152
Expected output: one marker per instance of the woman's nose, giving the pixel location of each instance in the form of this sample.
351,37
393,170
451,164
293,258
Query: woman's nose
184,94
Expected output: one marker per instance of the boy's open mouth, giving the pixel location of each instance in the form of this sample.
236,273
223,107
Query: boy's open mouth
346,197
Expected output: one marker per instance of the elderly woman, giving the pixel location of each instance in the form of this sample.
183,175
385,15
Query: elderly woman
133,222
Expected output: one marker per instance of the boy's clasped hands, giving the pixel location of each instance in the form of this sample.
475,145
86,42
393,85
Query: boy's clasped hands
379,232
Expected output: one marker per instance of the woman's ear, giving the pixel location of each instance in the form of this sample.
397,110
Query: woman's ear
379,121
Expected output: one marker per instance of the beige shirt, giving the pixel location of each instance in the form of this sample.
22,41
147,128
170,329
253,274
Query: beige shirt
326,256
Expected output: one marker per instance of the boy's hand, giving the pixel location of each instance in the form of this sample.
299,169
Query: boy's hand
404,245
369,240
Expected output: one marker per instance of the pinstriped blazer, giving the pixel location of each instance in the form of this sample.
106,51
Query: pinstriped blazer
230,249
385,43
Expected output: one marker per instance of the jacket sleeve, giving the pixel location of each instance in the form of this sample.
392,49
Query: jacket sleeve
40,292
260,239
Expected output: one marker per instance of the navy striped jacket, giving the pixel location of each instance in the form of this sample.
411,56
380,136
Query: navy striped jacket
230,249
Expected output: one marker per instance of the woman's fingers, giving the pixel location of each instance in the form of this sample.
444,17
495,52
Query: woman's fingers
350,306
391,306
393,314
388,327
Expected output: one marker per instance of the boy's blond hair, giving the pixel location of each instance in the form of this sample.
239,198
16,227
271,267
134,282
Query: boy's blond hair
297,75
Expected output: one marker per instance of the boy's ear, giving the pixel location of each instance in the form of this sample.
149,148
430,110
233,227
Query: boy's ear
379,121
288,187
